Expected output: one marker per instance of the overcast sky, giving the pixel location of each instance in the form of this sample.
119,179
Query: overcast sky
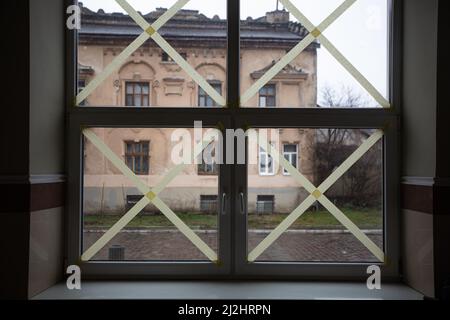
360,33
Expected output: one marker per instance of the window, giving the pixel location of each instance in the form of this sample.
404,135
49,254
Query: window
267,96
265,204
137,94
335,211
208,204
204,100
208,165
290,153
137,156
266,166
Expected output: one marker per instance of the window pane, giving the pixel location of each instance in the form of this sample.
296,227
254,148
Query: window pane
137,88
145,147
316,77
129,88
262,102
317,236
290,148
129,101
145,101
137,101
108,195
198,32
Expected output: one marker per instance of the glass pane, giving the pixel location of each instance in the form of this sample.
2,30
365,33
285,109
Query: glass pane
316,78
108,195
290,148
129,101
198,32
317,235
137,100
262,102
129,88
145,148
145,101
137,88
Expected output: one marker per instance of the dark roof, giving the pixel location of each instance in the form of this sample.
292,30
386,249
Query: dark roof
190,28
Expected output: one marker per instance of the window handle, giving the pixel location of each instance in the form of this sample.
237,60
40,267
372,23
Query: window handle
224,204
241,198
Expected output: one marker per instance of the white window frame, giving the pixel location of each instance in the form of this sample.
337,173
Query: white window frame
291,154
267,172
233,251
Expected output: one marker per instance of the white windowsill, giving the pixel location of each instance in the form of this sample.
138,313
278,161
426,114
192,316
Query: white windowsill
241,290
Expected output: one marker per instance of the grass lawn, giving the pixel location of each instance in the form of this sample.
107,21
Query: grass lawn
363,218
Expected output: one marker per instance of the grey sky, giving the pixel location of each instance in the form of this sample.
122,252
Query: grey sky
360,34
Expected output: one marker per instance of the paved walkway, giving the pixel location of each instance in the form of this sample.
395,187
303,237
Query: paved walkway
172,245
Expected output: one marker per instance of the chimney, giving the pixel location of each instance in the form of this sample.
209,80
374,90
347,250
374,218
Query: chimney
277,16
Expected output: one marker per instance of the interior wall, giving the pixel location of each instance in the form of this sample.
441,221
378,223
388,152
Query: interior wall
419,87
14,149
419,142
46,125
46,87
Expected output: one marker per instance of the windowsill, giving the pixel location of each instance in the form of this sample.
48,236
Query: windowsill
231,290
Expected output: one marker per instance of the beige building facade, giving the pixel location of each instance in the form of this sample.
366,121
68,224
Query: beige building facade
149,78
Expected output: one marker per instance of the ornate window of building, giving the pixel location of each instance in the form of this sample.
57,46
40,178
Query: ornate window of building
137,156
137,94
204,100
267,96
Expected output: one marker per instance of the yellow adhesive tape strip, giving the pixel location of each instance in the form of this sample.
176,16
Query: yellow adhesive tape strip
346,222
283,62
189,70
337,54
276,156
291,55
124,55
115,229
115,160
173,54
150,196
281,228
354,72
317,194
354,157
191,235
110,68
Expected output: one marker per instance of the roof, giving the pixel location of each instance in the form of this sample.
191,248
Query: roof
191,28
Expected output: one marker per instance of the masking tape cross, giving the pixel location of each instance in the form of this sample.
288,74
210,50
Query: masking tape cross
317,194
293,53
151,31
121,58
336,53
151,196
172,52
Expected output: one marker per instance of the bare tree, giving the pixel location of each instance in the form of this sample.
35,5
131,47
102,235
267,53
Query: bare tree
334,145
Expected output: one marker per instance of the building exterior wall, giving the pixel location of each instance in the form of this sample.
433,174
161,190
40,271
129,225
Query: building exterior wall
106,189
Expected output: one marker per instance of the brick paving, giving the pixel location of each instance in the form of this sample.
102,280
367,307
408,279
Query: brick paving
172,245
